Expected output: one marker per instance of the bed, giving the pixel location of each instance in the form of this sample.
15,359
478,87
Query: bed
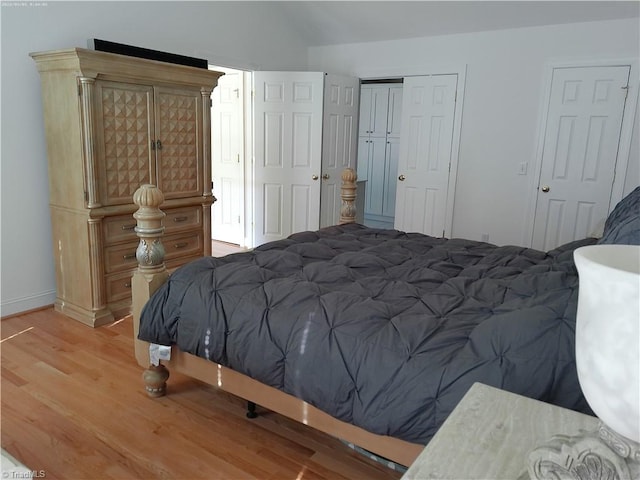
370,335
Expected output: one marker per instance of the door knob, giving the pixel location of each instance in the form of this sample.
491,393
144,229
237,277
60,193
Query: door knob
401,178
325,176
314,177
545,189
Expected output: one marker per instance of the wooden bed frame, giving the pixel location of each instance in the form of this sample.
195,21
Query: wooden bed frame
151,273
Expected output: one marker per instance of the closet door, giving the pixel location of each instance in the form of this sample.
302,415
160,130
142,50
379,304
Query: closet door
379,109
376,173
392,155
394,112
377,163
364,125
581,144
428,111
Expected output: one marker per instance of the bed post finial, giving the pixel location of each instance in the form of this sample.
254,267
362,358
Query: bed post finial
348,195
150,252
151,273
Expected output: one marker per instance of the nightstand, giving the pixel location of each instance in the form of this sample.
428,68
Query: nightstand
490,434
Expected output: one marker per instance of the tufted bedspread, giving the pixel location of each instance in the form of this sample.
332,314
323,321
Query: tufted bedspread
383,329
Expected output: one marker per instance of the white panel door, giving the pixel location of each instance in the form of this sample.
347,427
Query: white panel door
341,106
428,111
288,147
392,155
373,116
579,155
227,159
376,171
394,111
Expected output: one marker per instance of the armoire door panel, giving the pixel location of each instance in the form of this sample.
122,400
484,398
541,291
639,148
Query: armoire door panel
124,131
178,142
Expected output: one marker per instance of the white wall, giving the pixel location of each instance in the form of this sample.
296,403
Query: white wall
209,30
505,76
500,120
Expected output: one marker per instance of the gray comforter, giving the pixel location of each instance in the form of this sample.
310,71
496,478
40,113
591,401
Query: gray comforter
380,328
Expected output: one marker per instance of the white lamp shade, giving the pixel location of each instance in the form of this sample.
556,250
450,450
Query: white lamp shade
608,334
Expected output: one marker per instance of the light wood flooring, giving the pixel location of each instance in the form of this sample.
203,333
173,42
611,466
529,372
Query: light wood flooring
219,249
73,407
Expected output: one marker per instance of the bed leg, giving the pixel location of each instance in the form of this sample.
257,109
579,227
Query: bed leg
251,410
155,380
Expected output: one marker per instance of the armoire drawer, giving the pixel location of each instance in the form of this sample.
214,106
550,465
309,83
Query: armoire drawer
183,244
118,229
182,218
118,286
121,228
121,257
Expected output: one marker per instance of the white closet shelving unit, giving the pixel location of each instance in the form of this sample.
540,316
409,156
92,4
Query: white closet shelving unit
378,150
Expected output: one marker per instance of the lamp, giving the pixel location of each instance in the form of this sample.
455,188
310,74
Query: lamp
608,364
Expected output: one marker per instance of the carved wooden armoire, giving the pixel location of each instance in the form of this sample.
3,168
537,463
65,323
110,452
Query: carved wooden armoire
112,123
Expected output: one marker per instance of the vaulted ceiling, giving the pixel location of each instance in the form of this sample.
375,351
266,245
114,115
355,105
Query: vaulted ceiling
335,22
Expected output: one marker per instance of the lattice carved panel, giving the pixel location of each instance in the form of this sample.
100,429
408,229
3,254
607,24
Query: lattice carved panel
125,117
178,132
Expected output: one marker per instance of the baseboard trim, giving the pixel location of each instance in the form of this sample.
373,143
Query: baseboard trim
21,306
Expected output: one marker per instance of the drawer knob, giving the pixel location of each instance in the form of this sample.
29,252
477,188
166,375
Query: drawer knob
180,245
131,226
184,218
129,256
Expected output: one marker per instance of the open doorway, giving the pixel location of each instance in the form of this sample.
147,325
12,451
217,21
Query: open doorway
230,147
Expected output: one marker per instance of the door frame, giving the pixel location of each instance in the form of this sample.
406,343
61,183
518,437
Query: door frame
626,132
429,70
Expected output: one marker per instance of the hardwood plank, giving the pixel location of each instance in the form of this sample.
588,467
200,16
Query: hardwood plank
73,405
